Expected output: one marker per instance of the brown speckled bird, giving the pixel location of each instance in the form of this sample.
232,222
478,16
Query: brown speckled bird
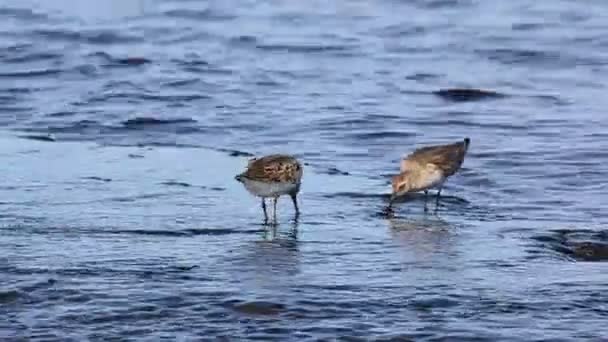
271,177
427,168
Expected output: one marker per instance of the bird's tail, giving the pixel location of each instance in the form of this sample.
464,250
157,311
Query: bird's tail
467,142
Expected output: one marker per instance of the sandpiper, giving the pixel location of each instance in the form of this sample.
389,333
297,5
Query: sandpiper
271,177
427,168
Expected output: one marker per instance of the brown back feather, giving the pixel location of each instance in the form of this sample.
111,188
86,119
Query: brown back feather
274,168
448,158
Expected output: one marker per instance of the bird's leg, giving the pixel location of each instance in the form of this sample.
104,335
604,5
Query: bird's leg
426,197
274,209
295,203
437,200
388,210
264,209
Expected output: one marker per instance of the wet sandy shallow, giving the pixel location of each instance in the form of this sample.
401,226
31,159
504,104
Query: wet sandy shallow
100,244
120,218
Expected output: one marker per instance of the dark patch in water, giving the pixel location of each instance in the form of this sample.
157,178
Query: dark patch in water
60,114
464,94
217,188
183,268
382,135
580,245
22,14
590,251
90,36
176,183
245,40
205,15
334,171
48,137
135,156
109,60
32,57
522,56
303,48
31,73
421,77
133,61
9,296
356,195
185,232
98,179
235,153
218,231
152,232
258,308
141,122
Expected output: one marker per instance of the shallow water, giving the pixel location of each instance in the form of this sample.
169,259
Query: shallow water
126,222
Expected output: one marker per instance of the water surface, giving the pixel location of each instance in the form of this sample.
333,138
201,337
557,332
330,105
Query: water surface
124,123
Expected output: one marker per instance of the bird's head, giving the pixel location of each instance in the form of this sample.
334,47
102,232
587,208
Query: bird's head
401,185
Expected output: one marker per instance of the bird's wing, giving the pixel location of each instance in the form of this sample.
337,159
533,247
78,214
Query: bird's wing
274,168
447,158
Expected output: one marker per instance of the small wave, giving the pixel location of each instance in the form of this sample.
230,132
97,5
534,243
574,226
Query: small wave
152,232
186,232
244,40
303,48
176,183
32,57
130,61
146,97
382,135
121,61
181,83
48,137
334,171
101,37
463,123
60,114
141,122
138,197
200,66
467,94
31,73
13,109
95,178
436,4
206,14
520,56
257,307
527,26
356,195
422,76
234,153
73,127
22,13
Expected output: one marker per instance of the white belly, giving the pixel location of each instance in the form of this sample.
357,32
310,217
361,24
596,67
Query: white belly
276,189
431,180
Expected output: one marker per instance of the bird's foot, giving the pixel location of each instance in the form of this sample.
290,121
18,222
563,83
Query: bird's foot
388,211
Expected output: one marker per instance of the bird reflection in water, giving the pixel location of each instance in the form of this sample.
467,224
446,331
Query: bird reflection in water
269,262
423,238
272,232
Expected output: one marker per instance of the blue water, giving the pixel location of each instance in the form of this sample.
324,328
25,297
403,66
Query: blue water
124,123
